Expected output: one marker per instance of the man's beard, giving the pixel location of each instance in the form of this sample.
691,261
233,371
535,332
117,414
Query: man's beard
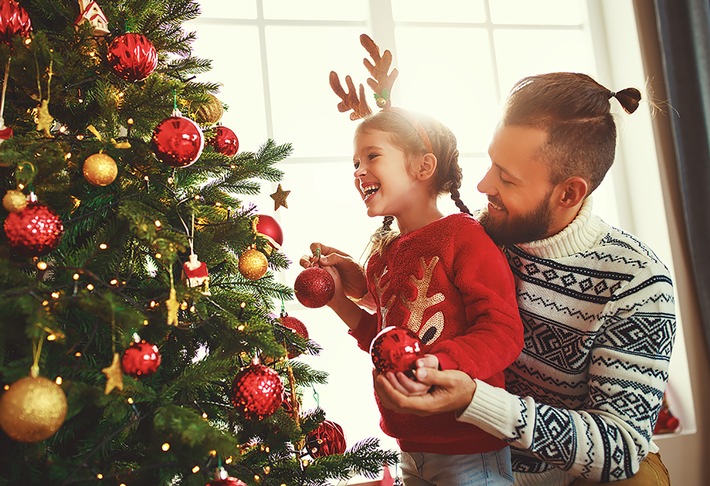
519,229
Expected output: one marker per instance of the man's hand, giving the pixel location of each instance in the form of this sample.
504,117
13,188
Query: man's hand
452,391
352,275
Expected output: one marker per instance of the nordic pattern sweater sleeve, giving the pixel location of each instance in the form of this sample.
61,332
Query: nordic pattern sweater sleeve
599,318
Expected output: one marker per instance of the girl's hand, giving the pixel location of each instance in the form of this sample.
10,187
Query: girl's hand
412,387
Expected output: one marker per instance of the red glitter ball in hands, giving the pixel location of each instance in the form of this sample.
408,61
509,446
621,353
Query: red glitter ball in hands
178,141
132,56
314,287
257,392
225,141
34,231
326,440
14,20
395,349
140,359
270,229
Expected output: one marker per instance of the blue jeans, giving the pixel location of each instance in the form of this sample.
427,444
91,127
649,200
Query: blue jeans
486,469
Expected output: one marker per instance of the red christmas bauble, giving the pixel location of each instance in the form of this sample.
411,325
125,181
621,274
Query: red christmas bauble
270,229
132,56
178,141
326,440
140,359
395,349
230,481
257,392
296,326
34,231
14,20
225,141
314,287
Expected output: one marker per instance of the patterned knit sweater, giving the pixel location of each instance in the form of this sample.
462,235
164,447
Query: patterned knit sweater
451,285
598,311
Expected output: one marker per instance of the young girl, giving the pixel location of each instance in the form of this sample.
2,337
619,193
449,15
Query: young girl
441,277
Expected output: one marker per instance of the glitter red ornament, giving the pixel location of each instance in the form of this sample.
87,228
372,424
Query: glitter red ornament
270,229
178,141
326,440
229,481
314,287
225,141
132,56
395,349
34,231
257,392
14,20
140,359
296,326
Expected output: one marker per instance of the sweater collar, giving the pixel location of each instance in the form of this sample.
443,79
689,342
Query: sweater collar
579,235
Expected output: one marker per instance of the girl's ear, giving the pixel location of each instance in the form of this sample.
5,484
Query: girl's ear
427,167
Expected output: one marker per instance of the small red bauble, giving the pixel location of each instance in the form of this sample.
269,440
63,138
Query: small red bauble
395,349
257,392
326,440
34,231
270,229
314,287
230,481
140,359
132,56
14,20
178,141
225,141
296,326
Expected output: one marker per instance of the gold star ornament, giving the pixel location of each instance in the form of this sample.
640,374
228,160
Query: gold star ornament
279,198
114,375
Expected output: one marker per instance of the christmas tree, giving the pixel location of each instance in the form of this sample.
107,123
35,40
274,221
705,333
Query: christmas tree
141,341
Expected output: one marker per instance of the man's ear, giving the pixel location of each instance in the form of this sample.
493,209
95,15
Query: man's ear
426,167
573,192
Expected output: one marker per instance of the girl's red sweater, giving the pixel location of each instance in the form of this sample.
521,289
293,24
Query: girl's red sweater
452,286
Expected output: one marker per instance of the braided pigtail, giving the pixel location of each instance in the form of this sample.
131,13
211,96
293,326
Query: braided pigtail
383,236
456,197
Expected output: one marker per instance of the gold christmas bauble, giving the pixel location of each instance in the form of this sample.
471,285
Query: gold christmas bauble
14,201
100,170
209,112
32,409
253,264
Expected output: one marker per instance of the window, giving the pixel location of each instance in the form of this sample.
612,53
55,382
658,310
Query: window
457,60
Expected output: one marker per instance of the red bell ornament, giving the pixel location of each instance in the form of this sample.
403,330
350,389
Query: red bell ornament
395,349
14,21
257,392
34,231
269,228
326,440
178,141
132,56
140,359
314,287
225,141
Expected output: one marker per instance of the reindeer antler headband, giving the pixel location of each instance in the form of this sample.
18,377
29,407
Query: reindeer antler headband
381,83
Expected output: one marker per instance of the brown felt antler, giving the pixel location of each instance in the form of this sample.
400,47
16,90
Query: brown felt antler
381,84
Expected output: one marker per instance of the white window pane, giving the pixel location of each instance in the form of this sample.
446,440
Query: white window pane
448,74
315,10
303,105
523,53
236,63
222,9
439,11
550,12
